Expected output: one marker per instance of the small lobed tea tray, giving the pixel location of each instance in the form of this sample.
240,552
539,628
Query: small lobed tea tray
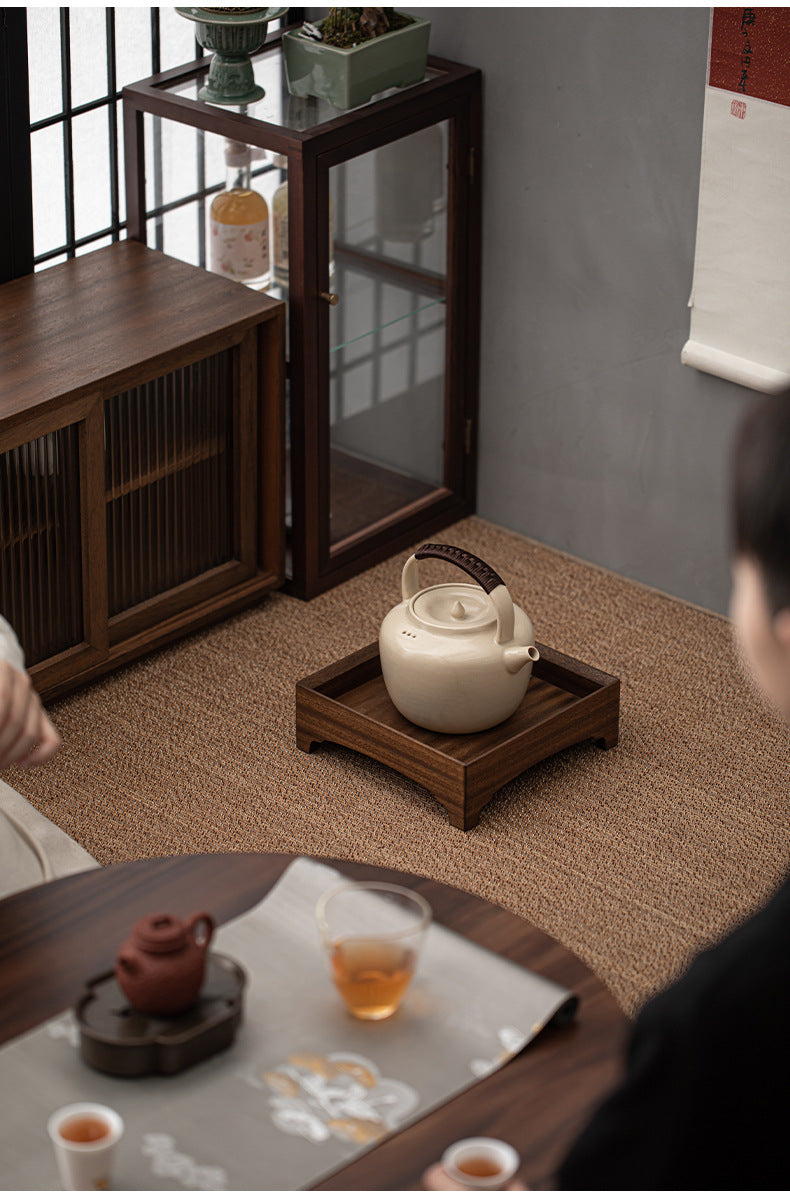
566,703
116,1038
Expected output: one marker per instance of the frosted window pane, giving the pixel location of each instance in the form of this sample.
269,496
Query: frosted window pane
181,234
91,173
132,45
216,170
88,55
97,244
49,213
179,160
43,52
176,39
51,262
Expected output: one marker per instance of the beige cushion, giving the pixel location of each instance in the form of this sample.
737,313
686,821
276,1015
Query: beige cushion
32,849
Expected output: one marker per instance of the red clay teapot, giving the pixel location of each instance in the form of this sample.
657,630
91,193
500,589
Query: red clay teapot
161,966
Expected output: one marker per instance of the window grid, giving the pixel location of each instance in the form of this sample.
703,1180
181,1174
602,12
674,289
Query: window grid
110,101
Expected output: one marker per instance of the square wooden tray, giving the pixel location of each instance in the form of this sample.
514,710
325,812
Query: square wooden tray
566,702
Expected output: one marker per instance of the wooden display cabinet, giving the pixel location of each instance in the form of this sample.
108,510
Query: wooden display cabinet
383,314
141,457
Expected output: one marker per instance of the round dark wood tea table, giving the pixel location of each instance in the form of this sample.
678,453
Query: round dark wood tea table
54,936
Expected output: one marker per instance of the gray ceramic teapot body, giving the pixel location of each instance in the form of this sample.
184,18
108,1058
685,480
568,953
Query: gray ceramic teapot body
456,657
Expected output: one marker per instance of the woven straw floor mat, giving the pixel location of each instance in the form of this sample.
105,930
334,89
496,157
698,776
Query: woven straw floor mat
632,858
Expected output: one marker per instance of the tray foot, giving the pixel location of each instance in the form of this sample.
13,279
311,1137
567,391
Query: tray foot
306,742
610,738
463,820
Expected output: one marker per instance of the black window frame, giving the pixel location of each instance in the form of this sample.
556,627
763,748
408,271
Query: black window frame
17,246
16,181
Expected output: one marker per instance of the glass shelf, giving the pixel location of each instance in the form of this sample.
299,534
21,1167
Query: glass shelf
278,107
410,315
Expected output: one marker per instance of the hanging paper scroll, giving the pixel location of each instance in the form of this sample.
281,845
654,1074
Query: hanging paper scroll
740,300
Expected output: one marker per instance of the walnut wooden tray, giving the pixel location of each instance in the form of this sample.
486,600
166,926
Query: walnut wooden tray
566,702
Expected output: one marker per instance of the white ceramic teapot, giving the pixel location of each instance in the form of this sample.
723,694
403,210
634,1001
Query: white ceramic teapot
456,657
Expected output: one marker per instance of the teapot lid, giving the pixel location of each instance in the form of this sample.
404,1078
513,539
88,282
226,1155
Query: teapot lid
160,933
454,607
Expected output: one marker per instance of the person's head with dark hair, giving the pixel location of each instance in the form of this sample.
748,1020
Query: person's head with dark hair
760,605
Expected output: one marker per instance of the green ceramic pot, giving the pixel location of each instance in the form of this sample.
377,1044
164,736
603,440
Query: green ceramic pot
348,78
233,36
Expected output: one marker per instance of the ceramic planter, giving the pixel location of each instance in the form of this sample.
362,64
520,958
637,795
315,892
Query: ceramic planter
233,36
348,78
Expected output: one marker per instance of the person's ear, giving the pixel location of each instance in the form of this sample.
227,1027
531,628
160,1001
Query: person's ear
782,627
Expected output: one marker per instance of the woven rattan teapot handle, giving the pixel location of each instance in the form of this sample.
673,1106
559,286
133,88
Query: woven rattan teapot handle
483,574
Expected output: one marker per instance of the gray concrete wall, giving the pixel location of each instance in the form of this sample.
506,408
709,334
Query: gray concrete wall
593,437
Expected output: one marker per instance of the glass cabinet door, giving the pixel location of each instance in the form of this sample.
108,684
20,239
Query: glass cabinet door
374,230
387,331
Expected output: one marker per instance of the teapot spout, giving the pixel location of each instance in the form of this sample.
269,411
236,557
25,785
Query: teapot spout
517,658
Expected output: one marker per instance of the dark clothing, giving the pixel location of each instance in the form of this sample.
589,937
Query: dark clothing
705,1101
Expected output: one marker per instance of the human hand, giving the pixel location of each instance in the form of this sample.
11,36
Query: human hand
27,736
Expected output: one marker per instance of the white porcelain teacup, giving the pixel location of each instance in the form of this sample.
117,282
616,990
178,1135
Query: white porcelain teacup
480,1163
84,1136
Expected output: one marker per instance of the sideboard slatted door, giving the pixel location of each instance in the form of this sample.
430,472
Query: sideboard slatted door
169,456
141,457
40,541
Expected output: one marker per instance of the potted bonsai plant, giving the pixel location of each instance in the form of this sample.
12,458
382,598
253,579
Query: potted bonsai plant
354,53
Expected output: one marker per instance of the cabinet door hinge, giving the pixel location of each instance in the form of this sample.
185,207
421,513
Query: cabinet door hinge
468,438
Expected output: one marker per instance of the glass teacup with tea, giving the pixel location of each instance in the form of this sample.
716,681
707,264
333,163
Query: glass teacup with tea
372,932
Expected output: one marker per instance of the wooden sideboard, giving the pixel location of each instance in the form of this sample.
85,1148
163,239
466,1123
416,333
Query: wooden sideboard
141,457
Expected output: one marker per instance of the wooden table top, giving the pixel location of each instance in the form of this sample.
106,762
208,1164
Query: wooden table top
54,936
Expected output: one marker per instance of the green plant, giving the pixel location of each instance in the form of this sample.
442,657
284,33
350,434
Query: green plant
347,27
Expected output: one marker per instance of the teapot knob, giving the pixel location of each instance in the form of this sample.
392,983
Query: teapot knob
458,610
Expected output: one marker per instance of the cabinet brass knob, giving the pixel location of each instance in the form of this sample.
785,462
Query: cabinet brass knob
330,297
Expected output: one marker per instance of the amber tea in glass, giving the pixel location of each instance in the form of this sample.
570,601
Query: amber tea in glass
372,932
371,976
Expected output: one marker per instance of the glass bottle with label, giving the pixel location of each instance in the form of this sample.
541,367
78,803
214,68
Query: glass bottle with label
280,229
239,224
